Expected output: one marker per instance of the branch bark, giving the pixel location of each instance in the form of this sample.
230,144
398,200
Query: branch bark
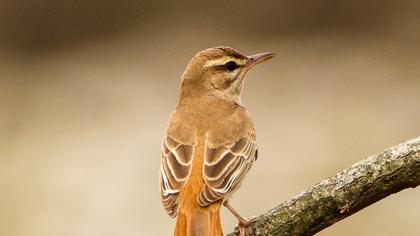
342,195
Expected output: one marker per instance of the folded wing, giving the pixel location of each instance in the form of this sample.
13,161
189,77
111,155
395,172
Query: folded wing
225,167
175,169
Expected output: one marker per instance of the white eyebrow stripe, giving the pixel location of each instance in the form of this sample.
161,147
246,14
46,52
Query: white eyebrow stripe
223,60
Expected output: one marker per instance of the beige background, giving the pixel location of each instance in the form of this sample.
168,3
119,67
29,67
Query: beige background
86,88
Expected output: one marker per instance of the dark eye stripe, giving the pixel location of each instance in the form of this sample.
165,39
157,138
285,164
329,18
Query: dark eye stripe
223,66
231,66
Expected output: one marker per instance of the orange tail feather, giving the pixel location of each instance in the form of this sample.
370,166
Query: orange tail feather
199,222
192,219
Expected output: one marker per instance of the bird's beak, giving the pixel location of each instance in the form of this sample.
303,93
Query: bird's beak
258,58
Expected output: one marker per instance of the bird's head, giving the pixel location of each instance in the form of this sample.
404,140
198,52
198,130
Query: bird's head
220,72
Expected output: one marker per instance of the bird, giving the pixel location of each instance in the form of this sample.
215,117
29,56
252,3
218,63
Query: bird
210,142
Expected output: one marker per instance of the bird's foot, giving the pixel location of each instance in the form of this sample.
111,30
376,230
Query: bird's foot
242,224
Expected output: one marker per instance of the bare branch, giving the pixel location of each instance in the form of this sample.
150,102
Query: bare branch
337,197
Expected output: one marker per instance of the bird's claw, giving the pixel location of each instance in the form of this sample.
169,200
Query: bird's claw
241,227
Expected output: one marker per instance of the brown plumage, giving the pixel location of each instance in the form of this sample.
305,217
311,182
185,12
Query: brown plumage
210,144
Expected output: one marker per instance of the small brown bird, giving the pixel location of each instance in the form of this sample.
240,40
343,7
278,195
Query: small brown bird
210,144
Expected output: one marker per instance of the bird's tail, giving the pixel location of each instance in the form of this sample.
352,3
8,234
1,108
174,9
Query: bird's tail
199,221
193,219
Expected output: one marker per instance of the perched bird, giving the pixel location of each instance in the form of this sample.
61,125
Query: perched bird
210,144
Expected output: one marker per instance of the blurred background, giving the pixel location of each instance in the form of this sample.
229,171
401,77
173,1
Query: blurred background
86,88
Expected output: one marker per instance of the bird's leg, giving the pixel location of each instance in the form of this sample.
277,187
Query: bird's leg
243,222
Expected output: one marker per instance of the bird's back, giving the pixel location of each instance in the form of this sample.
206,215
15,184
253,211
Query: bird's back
209,125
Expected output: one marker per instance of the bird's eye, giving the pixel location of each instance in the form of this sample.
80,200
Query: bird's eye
231,65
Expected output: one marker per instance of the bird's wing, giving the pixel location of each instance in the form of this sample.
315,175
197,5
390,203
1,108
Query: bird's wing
175,169
225,167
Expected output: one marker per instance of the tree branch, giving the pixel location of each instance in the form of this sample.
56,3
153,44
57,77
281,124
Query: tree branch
342,195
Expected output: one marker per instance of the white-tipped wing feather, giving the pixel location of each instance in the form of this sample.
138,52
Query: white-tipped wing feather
176,163
225,167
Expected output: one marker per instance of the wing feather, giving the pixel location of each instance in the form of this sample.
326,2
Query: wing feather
225,167
176,164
